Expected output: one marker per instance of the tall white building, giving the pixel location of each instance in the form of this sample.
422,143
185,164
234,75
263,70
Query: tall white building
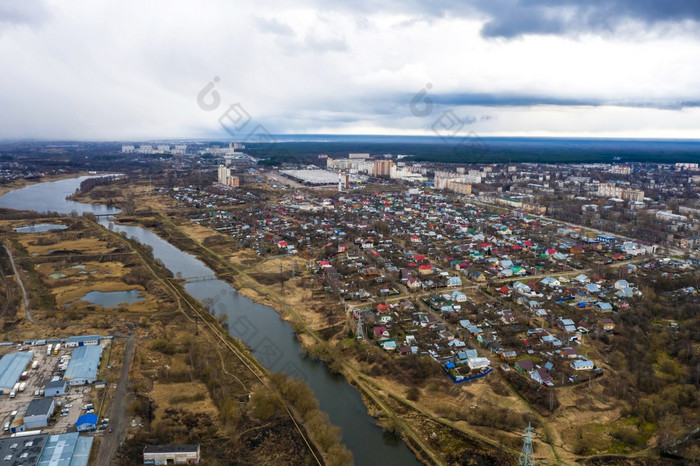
226,178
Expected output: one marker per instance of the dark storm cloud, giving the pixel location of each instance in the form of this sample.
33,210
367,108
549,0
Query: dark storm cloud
532,100
511,18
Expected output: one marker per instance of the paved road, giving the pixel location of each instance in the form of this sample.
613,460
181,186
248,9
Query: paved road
21,285
118,416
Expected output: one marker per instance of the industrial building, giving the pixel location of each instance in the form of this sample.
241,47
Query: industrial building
11,367
86,422
55,388
83,365
69,449
22,450
82,340
312,177
38,413
171,454
46,450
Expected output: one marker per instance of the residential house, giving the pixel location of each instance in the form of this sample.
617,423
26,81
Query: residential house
607,324
550,282
582,365
524,366
542,376
478,363
413,283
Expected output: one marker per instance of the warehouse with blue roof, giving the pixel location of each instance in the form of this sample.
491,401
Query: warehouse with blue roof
11,367
83,365
66,449
46,450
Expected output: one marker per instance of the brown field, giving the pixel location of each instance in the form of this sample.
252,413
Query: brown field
185,395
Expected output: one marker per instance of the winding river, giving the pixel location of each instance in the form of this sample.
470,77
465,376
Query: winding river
270,338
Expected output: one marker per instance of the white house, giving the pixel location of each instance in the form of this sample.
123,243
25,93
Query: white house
582,365
478,363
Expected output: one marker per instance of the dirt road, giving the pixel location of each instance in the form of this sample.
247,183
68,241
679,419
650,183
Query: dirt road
21,285
119,416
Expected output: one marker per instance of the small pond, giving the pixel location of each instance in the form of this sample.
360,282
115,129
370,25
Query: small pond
39,227
112,298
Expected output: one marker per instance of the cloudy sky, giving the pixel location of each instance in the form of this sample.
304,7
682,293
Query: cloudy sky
127,69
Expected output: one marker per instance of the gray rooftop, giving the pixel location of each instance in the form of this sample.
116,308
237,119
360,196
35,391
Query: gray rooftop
66,450
55,384
42,406
84,363
31,445
11,367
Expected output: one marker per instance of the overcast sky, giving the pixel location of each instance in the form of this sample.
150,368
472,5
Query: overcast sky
120,70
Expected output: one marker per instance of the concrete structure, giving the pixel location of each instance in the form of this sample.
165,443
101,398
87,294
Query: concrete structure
82,340
611,190
621,169
11,367
459,187
38,413
226,178
83,365
667,216
55,388
692,167
383,168
171,454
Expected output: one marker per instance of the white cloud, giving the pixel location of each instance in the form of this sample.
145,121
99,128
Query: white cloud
128,69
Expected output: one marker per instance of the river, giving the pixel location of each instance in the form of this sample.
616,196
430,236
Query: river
271,339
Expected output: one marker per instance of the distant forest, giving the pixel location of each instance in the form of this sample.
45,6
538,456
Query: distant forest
487,150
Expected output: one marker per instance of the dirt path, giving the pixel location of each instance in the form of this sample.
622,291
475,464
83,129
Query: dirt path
21,285
118,417
9,293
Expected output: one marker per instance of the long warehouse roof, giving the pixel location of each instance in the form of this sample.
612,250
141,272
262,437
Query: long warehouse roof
84,363
11,367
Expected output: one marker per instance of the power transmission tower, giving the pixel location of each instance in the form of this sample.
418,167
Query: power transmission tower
527,455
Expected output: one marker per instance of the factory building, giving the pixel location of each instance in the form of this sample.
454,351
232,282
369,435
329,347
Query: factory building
11,367
83,365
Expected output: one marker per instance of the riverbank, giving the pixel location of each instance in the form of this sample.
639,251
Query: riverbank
23,182
388,404
180,345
